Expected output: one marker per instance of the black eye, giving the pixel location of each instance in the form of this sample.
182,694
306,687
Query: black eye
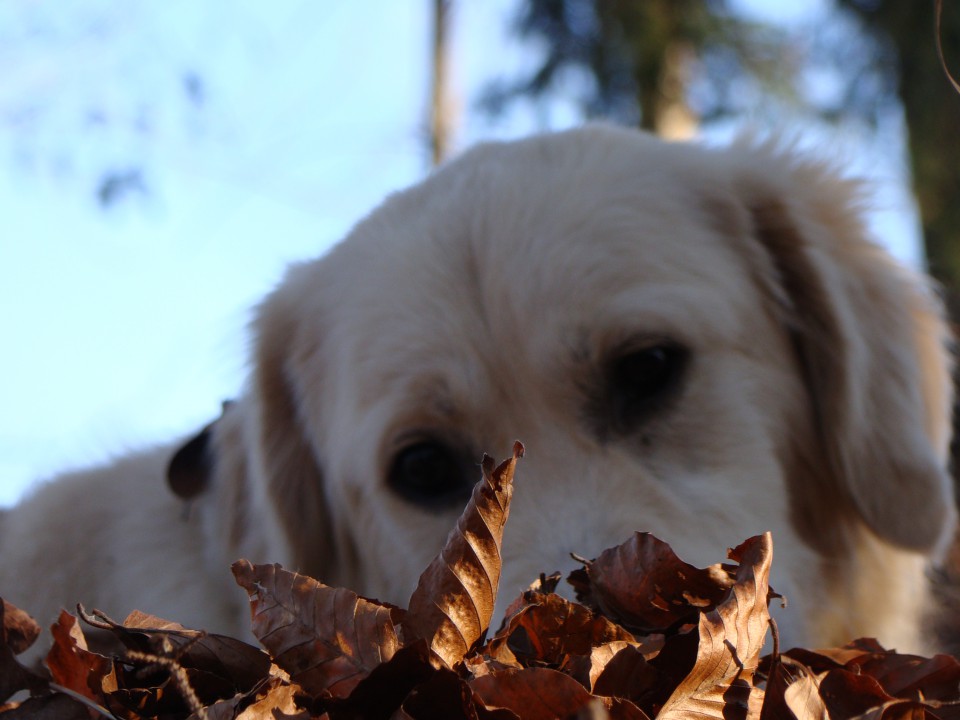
642,380
432,474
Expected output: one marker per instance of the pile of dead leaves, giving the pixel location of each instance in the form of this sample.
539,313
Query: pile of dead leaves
653,637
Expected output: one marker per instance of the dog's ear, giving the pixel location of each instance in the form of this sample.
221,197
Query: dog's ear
872,346
191,469
281,455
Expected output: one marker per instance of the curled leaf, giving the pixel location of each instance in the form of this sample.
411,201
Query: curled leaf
545,694
453,603
20,630
792,689
328,639
802,698
619,669
731,638
847,694
73,666
532,693
550,628
446,697
643,585
384,690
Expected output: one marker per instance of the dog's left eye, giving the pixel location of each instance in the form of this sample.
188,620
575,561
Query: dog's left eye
431,474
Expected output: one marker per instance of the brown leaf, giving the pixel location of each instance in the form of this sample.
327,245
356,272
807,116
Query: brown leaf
673,664
824,659
731,639
532,693
549,628
620,669
47,707
903,676
274,694
241,664
478,666
277,703
73,666
217,658
544,694
20,630
381,693
328,639
792,690
14,676
643,585
453,603
543,585
227,709
848,694
802,699
911,677
901,710
446,697
604,708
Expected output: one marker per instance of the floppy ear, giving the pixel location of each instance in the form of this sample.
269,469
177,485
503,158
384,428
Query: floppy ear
192,467
282,459
871,341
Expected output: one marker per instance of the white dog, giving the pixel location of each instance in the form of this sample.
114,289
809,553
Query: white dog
699,343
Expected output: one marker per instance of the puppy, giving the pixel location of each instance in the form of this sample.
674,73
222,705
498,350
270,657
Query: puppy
699,343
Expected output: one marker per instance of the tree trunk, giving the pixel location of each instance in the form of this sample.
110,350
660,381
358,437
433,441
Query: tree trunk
440,106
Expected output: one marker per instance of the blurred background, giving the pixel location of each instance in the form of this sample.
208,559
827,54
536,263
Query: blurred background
162,162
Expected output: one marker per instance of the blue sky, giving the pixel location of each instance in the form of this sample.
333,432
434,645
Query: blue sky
126,326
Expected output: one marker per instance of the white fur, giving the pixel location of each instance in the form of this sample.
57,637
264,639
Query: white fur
480,307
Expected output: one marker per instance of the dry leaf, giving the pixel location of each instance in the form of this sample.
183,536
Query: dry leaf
20,630
333,654
47,707
620,670
453,603
792,691
549,628
278,703
73,666
824,659
847,694
328,639
447,697
18,627
911,677
731,638
901,710
243,665
545,694
383,691
644,586
532,693
802,699
890,676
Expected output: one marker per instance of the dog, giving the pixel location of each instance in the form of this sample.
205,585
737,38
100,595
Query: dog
700,343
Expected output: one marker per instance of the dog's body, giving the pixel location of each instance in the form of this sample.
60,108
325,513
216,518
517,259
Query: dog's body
701,344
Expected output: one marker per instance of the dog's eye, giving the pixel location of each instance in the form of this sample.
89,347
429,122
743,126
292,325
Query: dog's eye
641,380
431,474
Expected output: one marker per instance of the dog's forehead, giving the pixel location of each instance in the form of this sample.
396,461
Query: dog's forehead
502,283
514,235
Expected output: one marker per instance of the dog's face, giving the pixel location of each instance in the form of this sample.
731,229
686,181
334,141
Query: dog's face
686,342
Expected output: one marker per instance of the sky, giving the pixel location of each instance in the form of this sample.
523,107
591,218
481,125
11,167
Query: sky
264,132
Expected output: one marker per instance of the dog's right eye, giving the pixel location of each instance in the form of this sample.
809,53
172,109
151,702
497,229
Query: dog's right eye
431,474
